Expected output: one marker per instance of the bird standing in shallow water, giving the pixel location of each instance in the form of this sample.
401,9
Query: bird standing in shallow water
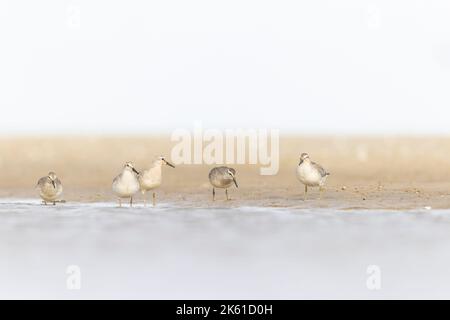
152,178
126,184
222,177
311,174
50,188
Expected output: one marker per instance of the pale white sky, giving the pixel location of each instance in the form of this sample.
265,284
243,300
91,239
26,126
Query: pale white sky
308,66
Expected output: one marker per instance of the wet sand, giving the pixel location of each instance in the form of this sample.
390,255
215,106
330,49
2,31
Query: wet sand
394,173
169,252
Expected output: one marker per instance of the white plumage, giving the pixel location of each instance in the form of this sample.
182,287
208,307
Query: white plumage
311,174
151,178
126,184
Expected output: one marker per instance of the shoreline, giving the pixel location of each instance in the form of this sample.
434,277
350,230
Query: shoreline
376,173
372,197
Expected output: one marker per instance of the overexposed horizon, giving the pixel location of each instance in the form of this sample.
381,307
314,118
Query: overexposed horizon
322,67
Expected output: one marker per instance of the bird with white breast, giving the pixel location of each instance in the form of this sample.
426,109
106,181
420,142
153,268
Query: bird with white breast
311,174
126,184
151,178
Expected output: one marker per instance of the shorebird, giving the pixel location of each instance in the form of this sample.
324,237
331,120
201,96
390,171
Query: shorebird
50,188
151,179
222,177
126,184
311,174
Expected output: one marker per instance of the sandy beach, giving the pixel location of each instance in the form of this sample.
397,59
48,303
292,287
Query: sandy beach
386,205
366,172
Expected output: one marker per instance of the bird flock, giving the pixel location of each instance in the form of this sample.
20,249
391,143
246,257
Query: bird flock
130,181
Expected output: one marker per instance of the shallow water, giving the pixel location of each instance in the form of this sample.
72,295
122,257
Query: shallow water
250,252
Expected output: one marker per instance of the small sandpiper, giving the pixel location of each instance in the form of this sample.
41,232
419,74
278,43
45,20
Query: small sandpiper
152,178
311,174
126,184
222,177
50,188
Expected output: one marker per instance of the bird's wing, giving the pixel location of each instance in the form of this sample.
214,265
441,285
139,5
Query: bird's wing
59,185
212,173
321,170
117,178
41,181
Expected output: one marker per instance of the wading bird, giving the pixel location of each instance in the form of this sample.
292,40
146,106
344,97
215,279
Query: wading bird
152,178
50,188
311,174
222,177
126,184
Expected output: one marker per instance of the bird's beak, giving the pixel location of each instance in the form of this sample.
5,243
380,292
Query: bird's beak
135,171
54,184
169,164
301,161
235,183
